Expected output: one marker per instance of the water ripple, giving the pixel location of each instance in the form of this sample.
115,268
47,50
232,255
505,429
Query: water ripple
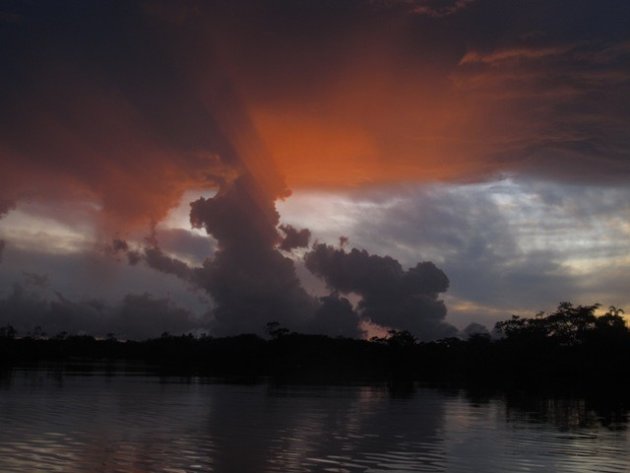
136,424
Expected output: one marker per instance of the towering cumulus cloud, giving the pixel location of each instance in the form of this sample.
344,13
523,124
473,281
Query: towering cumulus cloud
390,296
250,281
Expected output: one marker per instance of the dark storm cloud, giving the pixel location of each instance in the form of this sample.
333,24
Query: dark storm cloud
336,317
294,238
66,61
156,259
137,316
143,316
2,245
86,275
249,280
475,329
390,296
159,80
153,256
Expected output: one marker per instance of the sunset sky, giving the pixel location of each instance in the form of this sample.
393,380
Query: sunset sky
340,166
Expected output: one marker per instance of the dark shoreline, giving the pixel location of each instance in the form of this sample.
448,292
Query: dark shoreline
478,363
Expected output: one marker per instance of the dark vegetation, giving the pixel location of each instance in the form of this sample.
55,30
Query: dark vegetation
570,347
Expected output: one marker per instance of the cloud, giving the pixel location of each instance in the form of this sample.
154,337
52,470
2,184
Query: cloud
137,316
155,258
294,238
185,244
557,105
506,246
36,279
302,95
429,8
439,8
146,142
336,317
119,245
474,329
249,280
332,95
390,296
93,275
5,207
145,316
514,54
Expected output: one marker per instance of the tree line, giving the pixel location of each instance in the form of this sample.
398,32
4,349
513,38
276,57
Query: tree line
569,346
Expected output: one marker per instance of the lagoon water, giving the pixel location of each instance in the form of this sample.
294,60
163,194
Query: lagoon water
75,423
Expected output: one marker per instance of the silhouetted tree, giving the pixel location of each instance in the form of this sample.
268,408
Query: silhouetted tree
400,338
612,326
569,324
8,332
275,331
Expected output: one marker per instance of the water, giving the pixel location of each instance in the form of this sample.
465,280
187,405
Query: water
98,423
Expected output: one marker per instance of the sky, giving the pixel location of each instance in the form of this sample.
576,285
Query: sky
341,167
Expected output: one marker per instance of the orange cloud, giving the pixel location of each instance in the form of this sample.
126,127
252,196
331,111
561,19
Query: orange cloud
295,98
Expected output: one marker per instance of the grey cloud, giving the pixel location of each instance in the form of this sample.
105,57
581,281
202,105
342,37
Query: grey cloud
473,329
142,316
478,247
336,317
294,238
156,259
91,275
36,279
390,296
137,316
506,246
185,244
250,281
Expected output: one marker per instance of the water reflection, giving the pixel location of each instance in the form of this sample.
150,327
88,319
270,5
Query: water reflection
60,422
570,413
